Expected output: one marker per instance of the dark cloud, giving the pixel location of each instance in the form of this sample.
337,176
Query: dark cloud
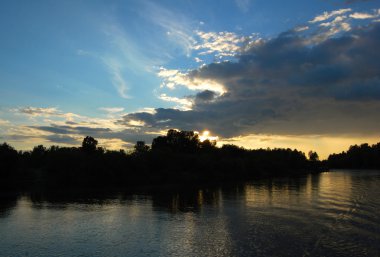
60,133
82,130
19,138
71,123
62,139
205,96
287,85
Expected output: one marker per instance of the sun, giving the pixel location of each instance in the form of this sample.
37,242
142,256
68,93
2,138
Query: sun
206,136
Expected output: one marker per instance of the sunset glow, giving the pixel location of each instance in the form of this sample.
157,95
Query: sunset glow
129,71
206,136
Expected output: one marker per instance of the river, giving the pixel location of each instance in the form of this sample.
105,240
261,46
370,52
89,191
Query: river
334,213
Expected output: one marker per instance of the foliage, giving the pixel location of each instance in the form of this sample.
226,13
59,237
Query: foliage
8,159
177,157
361,156
313,156
177,141
141,147
89,144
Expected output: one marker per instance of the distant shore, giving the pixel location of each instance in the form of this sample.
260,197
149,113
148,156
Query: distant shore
179,158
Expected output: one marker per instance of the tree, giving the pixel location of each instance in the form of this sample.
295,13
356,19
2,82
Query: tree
89,144
141,147
8,158
177,141
313,156
208,145
183,141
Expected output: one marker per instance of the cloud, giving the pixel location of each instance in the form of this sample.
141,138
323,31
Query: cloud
82,52
363,15
73,133
328,15
301,28
330,29
61,139
219,43
128,60
38,111
111,110
174,24
125,58
336,22
285,86
4,122
184,103
81,130
44,112
197,59
128,136
125,52
205,96
53,126
115,69
243,5
176,78
115,144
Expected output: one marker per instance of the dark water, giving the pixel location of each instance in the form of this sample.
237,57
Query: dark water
328,214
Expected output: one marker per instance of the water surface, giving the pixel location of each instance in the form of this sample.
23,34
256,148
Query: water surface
327,214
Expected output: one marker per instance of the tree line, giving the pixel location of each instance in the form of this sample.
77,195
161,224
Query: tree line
362,156
177,157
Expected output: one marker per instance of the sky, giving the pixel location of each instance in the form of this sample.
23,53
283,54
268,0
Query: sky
255,73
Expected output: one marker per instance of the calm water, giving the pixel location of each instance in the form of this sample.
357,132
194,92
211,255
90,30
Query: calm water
328,214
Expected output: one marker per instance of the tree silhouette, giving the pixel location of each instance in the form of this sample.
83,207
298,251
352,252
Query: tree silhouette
89,144
313,156
160,143
177,157
208,145
141,147
178,141
8,159
361,156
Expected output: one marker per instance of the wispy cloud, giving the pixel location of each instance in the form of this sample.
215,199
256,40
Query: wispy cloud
112,109
63,139
175,78
44,112
176,26
197,59
127,51
328,15
123,57
334,23
184,103
38,111
219,43
115,69
128,57
4,122
363,15
84,52
329,29
301,28
243,5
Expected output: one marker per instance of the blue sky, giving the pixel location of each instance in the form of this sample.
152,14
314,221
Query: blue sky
252,72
